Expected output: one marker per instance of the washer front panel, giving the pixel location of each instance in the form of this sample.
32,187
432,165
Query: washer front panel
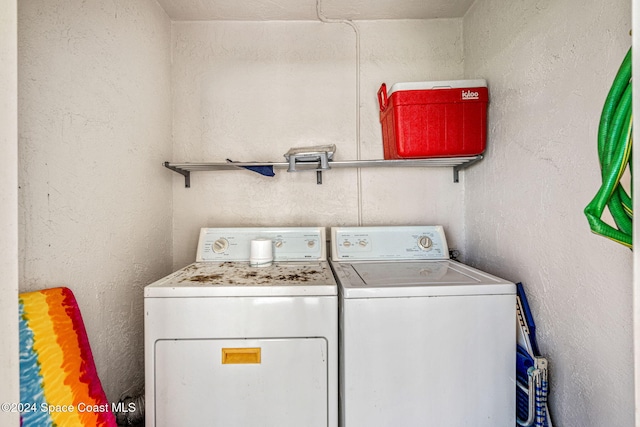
443,361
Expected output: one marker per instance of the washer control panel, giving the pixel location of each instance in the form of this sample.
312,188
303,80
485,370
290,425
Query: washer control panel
289,243
392,242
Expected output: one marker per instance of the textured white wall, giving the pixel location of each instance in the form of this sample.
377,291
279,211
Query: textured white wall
549,65
9,367
249,91
95,203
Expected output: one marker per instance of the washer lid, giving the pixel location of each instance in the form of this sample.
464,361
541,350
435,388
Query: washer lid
238,279
415,279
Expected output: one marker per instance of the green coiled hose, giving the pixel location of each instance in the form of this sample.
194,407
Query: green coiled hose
615,140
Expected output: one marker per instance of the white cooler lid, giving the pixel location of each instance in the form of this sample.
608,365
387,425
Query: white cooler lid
444,84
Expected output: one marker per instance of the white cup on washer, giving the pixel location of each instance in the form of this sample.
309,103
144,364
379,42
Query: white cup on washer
261,253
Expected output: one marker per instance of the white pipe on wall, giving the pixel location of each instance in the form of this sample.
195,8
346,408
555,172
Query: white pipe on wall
327,20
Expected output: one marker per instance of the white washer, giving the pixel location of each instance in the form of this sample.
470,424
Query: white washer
424,340
227,344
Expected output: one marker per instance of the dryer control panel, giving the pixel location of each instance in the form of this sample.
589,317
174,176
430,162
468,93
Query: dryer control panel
288,243
391,242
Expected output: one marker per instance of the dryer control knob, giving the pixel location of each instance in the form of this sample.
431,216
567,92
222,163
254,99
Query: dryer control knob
425,243
220,245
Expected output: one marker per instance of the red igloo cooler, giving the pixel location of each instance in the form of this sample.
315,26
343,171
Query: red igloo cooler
434,119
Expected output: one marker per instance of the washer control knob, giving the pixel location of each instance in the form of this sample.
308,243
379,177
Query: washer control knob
311,243
279,243
346,244
363,243
220,245
425,243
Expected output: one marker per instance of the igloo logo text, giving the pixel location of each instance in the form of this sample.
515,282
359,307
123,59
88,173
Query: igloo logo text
470,94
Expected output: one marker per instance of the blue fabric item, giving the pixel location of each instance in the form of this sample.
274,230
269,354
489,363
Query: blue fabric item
262,170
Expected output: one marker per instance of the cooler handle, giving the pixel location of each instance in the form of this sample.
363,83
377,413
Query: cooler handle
382,97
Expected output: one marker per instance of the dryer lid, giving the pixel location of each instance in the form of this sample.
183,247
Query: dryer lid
238,279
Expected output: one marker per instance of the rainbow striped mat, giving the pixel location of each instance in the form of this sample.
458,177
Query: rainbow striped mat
59,385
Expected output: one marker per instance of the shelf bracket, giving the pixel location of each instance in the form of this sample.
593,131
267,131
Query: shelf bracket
458,168
185,173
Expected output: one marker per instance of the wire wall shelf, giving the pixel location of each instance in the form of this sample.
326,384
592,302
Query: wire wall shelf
322,165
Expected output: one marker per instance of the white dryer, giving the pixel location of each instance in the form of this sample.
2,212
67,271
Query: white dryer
424,340
227,344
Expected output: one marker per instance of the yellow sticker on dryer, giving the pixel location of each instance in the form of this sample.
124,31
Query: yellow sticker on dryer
239,356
